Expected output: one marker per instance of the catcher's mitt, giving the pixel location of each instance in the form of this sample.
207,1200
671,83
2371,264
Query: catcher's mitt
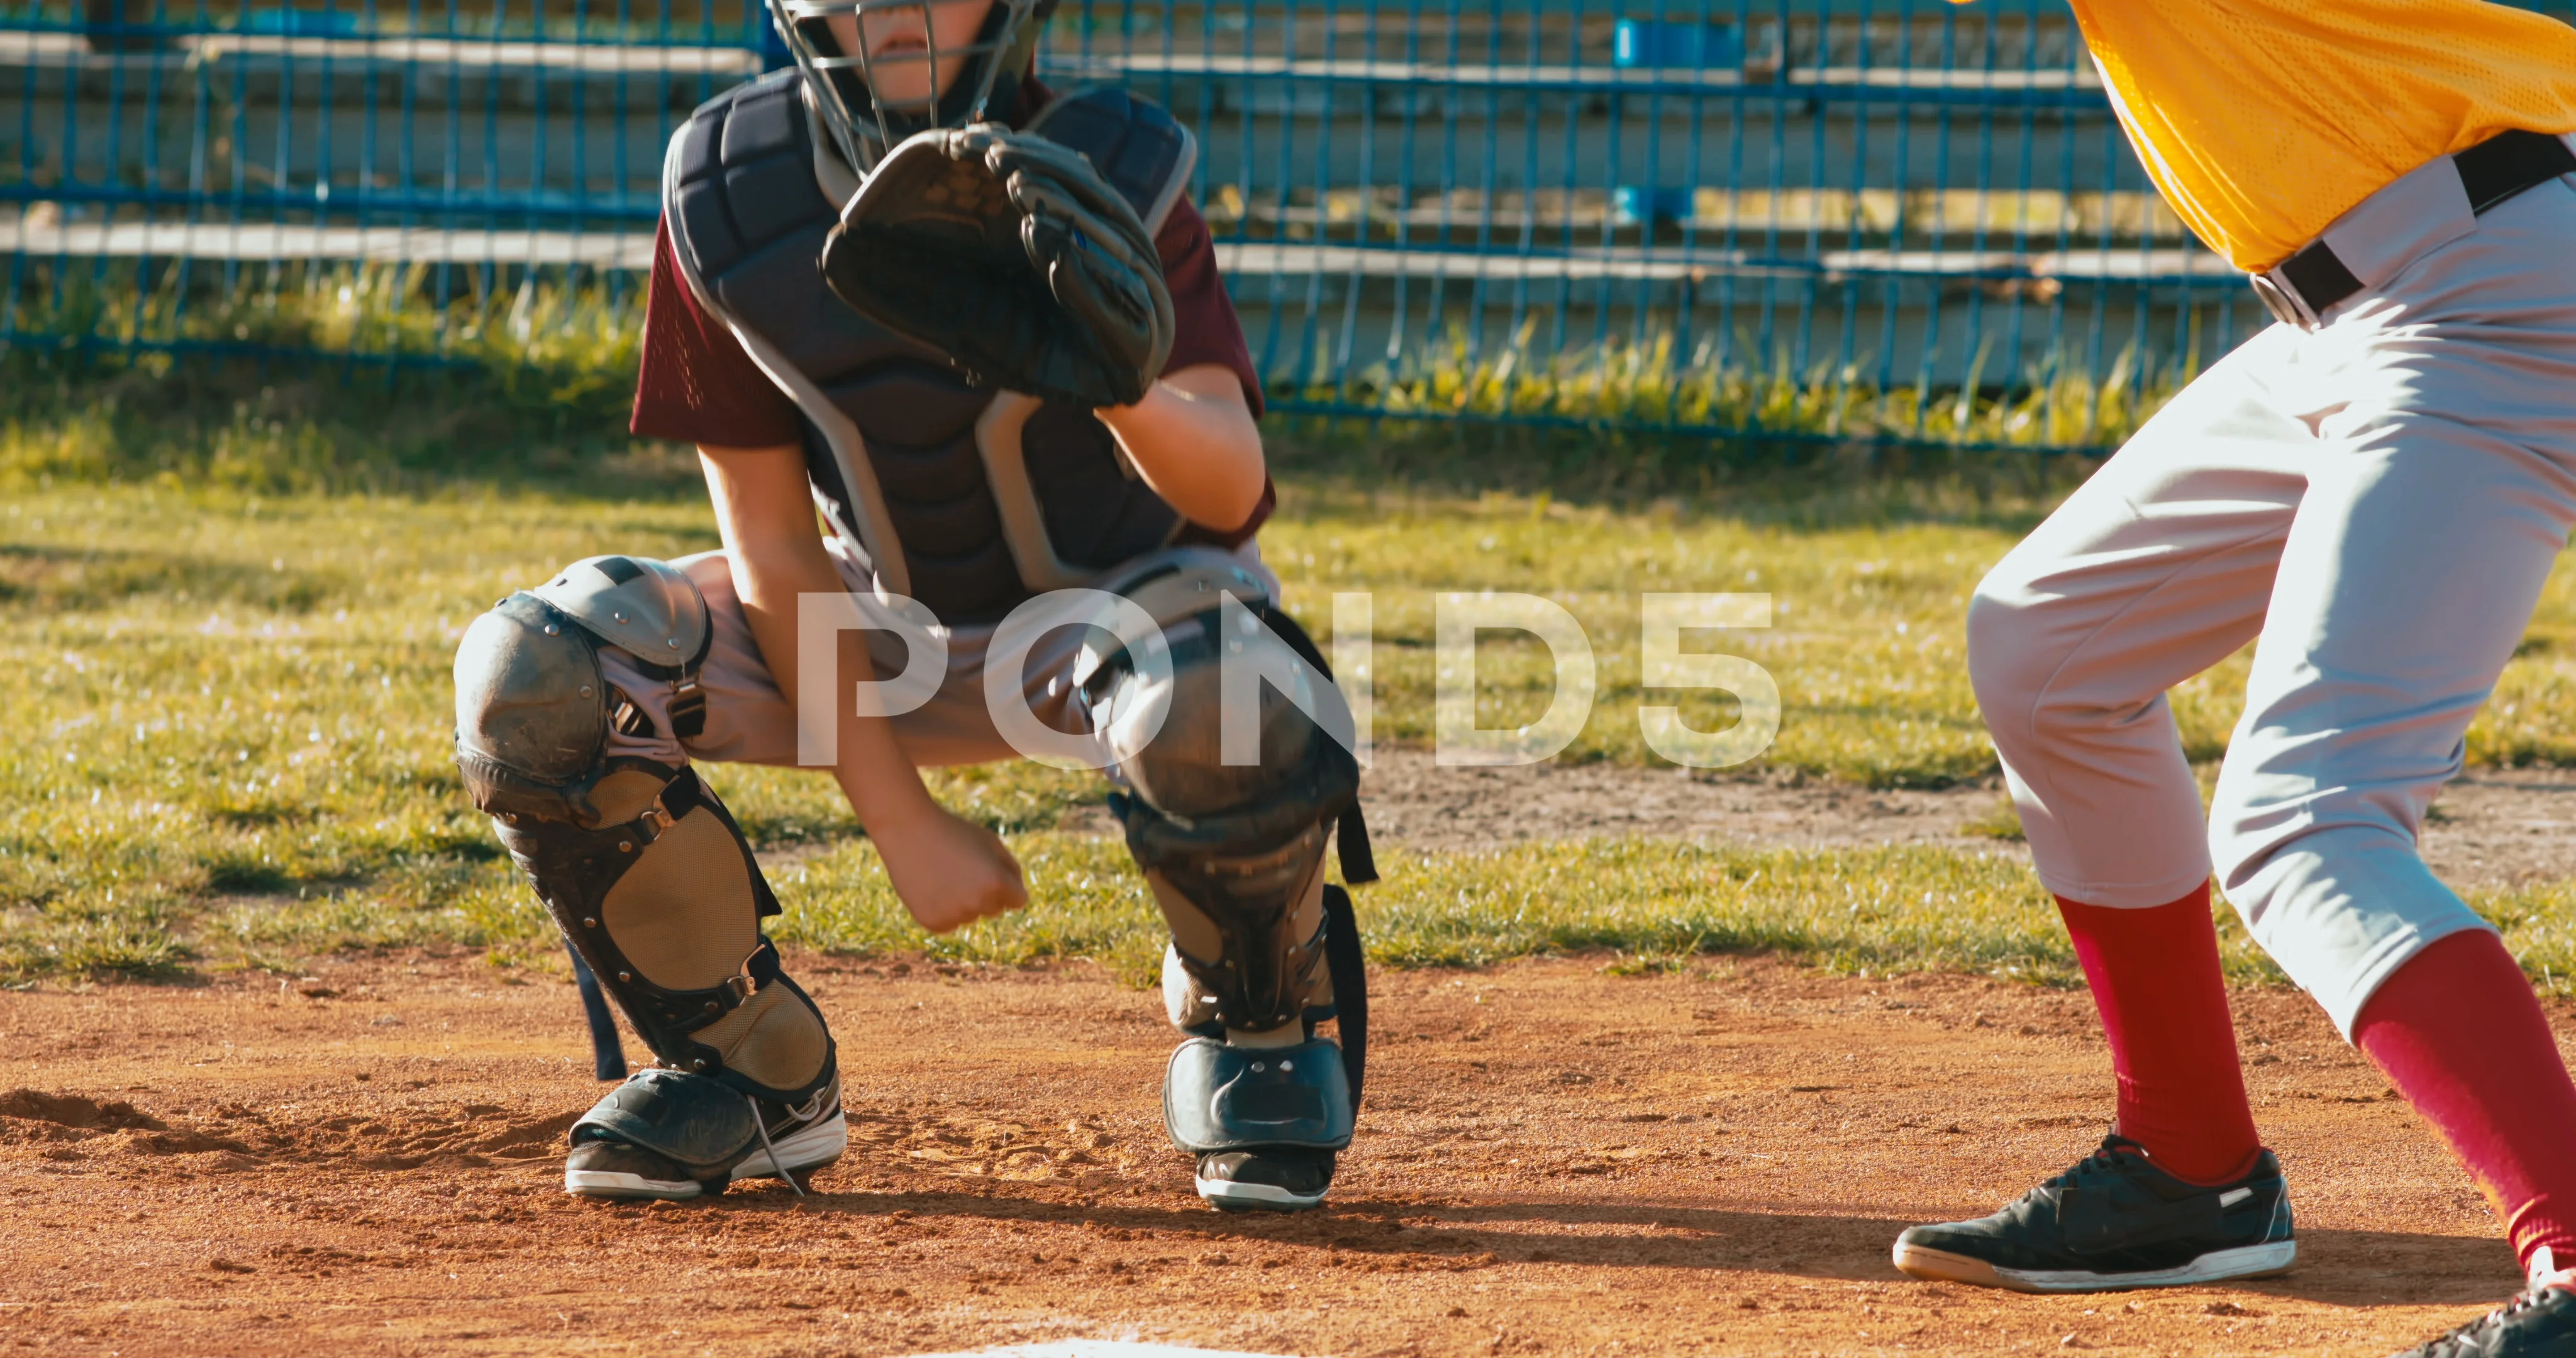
1010,255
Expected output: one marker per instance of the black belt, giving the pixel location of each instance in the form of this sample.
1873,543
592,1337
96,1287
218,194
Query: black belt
2492,171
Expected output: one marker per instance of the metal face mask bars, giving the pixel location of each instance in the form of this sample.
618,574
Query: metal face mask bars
868,100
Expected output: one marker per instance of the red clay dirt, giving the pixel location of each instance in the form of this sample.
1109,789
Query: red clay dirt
1553,1161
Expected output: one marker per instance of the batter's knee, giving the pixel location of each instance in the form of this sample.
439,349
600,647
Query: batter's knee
2240,841
2009,660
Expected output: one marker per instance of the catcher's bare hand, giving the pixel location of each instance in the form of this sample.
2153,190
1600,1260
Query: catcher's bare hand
949,872
1010,256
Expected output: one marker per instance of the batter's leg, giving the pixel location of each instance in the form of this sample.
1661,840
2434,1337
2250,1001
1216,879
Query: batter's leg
2407,582
2155,569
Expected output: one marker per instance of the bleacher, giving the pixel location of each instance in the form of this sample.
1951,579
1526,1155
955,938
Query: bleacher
1911,187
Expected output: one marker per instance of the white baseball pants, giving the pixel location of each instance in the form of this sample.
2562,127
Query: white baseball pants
2377,503
749,721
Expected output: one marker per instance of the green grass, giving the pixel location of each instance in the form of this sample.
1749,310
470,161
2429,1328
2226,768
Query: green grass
1647,383
229,604
1649,903
570,347
232,737
1640,906
544,378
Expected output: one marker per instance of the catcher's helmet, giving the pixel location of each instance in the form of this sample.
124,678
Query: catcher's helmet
844,85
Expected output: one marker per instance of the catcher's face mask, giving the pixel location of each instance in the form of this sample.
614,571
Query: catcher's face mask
881,70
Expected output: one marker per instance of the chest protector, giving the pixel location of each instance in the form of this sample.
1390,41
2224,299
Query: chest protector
967,499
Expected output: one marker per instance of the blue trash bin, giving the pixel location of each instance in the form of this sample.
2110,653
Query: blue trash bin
120,26
1650,44
1638,205
300,23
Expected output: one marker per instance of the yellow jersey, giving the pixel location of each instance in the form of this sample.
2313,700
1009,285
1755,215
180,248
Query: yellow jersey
2264,120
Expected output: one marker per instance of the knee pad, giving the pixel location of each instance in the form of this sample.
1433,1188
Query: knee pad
1181,769
644,870
1234,853
534,709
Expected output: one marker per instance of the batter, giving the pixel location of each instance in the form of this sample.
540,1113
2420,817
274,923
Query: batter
2373,491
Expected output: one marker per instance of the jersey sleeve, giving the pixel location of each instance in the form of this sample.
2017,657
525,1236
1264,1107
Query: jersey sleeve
695,383
1204,328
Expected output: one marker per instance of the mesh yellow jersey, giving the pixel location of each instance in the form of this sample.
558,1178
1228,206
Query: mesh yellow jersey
2264,120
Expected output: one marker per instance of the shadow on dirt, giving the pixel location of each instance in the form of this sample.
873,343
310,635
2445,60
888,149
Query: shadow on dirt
2339,1268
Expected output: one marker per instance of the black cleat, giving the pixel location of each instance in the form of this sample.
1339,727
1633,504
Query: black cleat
800,1138
2114,1221
2541,1323
1265,1179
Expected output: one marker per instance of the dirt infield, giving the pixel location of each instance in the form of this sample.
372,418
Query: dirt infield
1553,1161
2490,828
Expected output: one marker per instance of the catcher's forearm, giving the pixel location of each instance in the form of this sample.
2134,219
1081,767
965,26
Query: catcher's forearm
766,515
1193,440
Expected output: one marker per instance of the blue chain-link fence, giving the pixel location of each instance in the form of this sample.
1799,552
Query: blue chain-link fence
1829,216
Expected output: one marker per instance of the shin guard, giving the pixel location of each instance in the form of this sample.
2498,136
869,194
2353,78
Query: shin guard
640,865
1234,853
665,906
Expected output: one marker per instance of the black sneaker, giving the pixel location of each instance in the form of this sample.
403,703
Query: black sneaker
2541,1323
1266,1179
2115,1221
800,1138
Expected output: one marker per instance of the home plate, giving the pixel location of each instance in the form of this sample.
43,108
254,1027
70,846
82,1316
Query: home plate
1096,1348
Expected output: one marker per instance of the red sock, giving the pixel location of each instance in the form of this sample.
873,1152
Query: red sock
2459,1034
2155,978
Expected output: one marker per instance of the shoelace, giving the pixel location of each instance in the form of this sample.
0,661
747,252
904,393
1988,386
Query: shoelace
762,1122
2102,1160
2105,1160
2454,1342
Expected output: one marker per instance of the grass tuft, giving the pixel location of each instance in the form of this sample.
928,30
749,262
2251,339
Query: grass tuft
2004,822
1649,384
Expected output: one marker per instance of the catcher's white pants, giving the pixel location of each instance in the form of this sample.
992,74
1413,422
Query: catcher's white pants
750,722
2378,503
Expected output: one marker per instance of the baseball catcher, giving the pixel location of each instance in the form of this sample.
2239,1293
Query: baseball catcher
2372,492
975,329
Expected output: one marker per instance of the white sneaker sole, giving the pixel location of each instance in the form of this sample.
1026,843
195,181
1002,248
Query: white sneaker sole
2249,1261
812,1148
1226,1193
601,1183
